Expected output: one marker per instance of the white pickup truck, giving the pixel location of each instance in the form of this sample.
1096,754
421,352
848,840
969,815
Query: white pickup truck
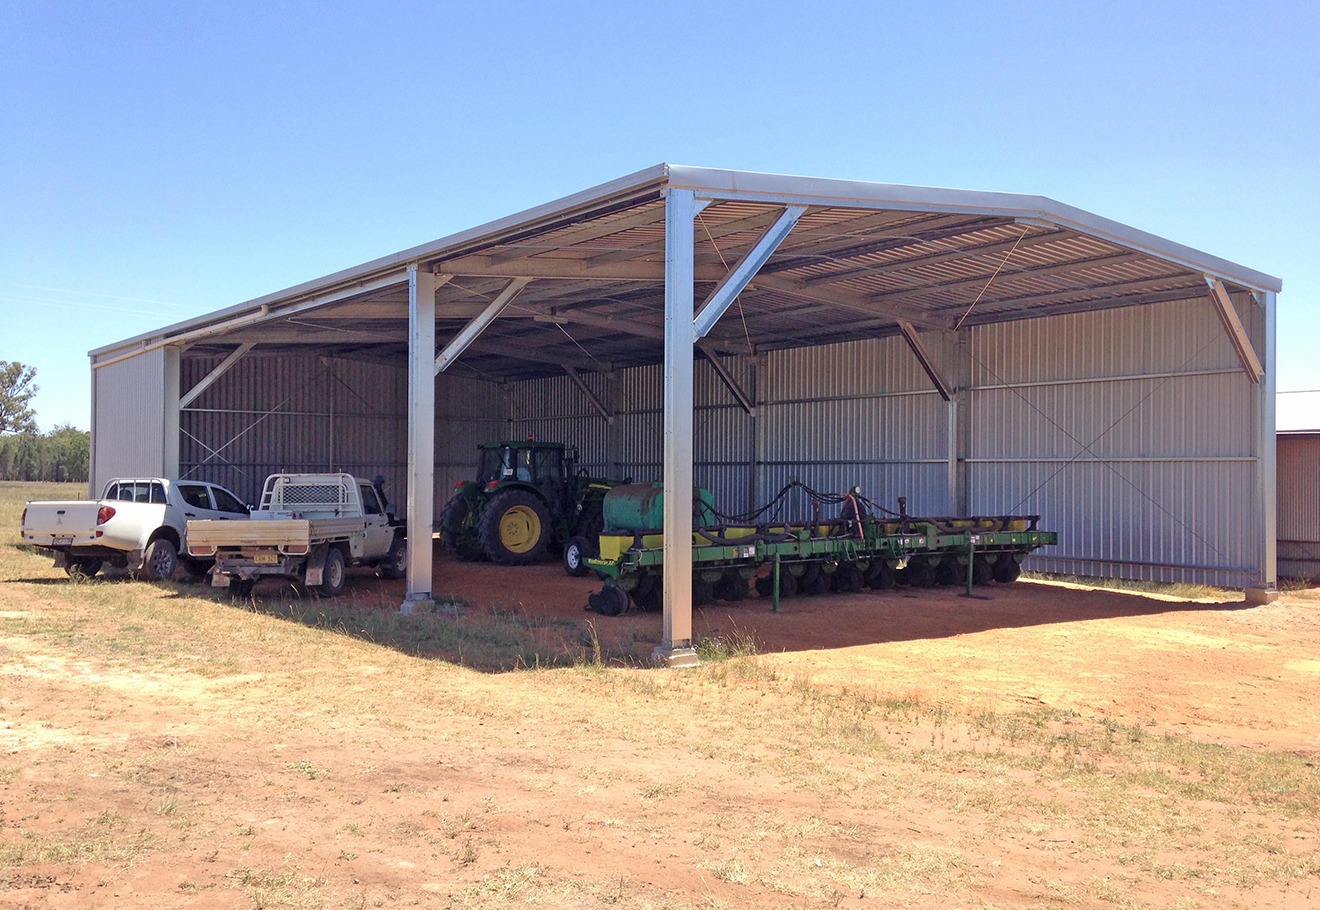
140,524
308,528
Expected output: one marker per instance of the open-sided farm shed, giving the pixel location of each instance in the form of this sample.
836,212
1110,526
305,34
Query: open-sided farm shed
975,352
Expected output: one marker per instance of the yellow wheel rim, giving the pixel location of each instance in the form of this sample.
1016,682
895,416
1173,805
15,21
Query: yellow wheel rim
520,529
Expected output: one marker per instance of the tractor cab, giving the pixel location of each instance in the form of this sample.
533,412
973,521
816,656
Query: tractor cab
540,465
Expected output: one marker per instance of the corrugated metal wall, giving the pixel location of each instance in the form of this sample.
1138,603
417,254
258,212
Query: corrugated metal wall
1299,505
273,413
1131,432
128,425
857,413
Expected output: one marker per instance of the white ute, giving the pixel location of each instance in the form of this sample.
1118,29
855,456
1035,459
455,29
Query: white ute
308,528
140,524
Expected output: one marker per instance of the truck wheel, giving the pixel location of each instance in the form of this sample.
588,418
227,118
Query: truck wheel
84,568
395,563
515,528
194,571
458,531
332,580
575,557
159,562
241,588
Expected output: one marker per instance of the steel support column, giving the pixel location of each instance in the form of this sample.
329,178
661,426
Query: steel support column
960,423
1267,461
675,648
170,453
421,438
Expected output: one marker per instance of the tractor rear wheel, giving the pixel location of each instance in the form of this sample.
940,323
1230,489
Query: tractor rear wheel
515,528
458,530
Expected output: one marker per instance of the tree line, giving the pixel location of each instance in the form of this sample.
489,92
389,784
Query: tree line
26,454
58,455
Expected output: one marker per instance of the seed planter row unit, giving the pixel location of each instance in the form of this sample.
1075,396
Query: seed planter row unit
814,557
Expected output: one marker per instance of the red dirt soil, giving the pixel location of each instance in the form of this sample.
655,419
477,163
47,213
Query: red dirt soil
1216,669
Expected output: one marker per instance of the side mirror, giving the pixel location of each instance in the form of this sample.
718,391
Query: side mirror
390,510
251,507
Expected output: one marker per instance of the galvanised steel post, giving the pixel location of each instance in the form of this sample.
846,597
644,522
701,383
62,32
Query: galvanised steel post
1267,451
675,648
421,438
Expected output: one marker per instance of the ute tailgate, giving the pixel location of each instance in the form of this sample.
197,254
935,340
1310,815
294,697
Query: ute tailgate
206,537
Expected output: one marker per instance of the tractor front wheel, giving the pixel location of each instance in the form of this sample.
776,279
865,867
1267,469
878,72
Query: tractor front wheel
458,530
515,528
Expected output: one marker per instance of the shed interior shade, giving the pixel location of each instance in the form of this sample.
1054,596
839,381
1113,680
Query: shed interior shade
937,259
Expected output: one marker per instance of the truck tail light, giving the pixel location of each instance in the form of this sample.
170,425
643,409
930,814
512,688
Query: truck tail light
459,484
296,549
201,550
104,514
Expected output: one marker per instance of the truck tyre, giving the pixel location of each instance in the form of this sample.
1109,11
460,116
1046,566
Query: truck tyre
395,563
159,561
194,571
515,528
575,557
457,531
332,580
83,568
241,588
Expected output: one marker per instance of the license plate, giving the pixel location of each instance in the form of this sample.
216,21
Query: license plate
266,559
61,541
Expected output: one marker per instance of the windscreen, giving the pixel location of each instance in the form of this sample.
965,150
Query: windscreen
492,465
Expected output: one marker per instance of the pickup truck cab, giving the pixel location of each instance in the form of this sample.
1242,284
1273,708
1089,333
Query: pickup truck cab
308,528
140,523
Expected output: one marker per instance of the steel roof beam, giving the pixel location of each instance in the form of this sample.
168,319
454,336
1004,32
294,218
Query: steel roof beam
1085,306
923,357
980,280
849,302
567,270
215,374
1121,289
943,228
1237,335
469,332
590,231
591,396
729,287
502,347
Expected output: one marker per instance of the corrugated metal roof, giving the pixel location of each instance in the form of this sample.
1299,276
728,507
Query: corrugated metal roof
862,256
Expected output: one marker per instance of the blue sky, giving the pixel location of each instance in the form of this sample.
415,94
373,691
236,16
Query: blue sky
160,161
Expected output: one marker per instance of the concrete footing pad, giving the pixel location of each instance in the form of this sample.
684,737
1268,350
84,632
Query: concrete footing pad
675,658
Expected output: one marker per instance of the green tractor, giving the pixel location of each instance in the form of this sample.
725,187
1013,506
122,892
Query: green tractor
527,497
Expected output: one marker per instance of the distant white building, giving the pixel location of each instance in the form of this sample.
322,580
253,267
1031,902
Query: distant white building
1297,422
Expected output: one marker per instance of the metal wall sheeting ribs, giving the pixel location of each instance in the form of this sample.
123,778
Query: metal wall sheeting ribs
269,414
1167,488
1299,505
129,423
863,412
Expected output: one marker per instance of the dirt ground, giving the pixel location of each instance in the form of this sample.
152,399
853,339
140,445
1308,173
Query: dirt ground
1213,667
161,747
